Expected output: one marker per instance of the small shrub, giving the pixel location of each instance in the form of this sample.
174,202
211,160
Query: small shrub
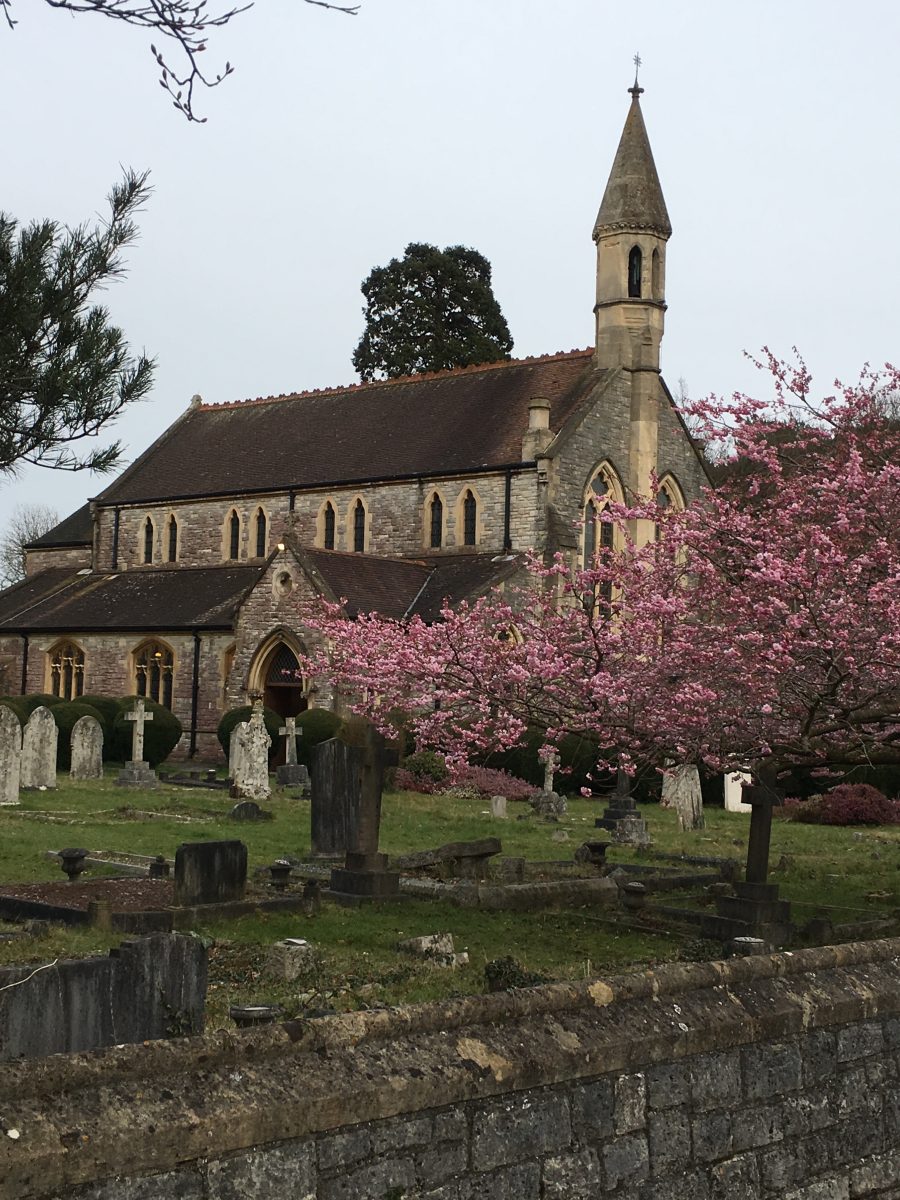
234,716
404,781
65,715
846,804
502,974
427,765
485,781
315,725
29,703
161,735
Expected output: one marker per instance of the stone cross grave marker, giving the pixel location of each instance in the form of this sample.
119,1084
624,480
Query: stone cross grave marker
365,875
622,818
87,749
250,779
291,773
551,760
762,796
139,717
10,756
210,872
39,750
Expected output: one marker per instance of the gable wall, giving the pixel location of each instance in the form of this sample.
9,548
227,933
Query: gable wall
75,557
397,520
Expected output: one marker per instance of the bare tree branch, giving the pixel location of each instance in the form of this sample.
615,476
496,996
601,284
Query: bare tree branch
186,23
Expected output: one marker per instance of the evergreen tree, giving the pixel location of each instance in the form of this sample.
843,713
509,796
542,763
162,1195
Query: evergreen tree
65,371
431,310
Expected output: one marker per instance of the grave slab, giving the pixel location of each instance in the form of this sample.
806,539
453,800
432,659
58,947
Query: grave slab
210,872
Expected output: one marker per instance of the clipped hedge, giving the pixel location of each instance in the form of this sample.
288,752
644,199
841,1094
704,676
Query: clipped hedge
109,708
36,699
160,735
273,722
65,715
315,725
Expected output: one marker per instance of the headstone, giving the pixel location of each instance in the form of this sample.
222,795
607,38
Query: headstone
10,756
249,810
293,775
550,759
498,808
437,948
289,732
681,791
250,779
734,792
39,750
87,749
548,804
621,818
334,790
287,960
210,872
137,773
365,875
235,748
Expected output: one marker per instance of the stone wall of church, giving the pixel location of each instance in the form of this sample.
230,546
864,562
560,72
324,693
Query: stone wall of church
398,521
676,454
73,557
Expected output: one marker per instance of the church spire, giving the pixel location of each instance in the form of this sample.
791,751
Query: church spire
633,199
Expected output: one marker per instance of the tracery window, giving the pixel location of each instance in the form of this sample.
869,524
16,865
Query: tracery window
67,671
261,533
634,271
599,530
173,540
359,526
436,511
470,519
328,526
154,667
668,497
148,541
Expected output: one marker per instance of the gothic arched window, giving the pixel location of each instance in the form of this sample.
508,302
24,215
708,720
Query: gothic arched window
470,519
148,541
634,271
359,526
67,671
261,533
154,666
668,497
234,535
173,540
436,510
328,526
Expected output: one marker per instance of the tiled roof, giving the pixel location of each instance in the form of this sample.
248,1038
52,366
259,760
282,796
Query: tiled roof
426,424
158,599
400,587
75,530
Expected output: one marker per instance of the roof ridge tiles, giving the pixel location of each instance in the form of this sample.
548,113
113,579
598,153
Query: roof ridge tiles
402,379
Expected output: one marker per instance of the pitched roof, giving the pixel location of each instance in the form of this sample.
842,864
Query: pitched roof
397,587
75,530
432,424
633,198
159,599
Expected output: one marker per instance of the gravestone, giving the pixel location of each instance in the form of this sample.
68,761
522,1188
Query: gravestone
10,756
39,750
734,792
498,808
137,773
210,872
621,818
249,810
364,875
681,791
291,773
235,749
87,749
551,760
250,778
334,791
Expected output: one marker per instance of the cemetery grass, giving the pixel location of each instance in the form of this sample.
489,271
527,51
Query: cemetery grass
855,872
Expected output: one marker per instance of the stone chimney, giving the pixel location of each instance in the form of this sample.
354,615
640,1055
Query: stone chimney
539,435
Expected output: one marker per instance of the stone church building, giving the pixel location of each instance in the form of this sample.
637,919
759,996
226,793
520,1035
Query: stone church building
184,579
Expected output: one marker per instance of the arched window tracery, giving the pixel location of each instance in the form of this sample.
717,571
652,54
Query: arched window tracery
154,669
67,670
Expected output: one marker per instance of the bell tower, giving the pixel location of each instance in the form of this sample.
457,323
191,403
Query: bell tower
631,232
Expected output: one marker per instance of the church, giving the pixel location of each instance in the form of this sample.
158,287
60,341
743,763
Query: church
185,579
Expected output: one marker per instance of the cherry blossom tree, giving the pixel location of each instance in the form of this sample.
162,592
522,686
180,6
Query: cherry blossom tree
760,626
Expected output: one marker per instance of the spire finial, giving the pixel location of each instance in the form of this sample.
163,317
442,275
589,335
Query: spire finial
636,90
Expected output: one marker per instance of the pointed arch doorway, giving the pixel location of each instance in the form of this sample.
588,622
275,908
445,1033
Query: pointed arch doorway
276,675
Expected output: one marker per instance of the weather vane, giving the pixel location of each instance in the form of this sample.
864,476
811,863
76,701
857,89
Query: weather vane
636,89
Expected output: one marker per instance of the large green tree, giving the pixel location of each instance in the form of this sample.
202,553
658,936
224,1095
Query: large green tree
65,370
430,311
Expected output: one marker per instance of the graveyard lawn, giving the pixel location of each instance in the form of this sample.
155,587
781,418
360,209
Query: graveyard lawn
358,964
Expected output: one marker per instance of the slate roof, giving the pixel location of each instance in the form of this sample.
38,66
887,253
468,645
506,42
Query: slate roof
406,587
160,599
633,198
434,424
74,530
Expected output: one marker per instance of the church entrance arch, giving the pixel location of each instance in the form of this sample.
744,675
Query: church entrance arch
276,676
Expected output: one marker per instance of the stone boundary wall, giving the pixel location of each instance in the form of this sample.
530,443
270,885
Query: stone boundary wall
762,1077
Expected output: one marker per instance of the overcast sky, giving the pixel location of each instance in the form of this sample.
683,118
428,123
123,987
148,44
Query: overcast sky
491,123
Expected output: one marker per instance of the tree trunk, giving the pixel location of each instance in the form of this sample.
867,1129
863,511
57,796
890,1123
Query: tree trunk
681,791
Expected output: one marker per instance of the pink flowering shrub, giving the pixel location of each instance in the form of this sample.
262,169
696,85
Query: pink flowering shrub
846,804
408,781
486,781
